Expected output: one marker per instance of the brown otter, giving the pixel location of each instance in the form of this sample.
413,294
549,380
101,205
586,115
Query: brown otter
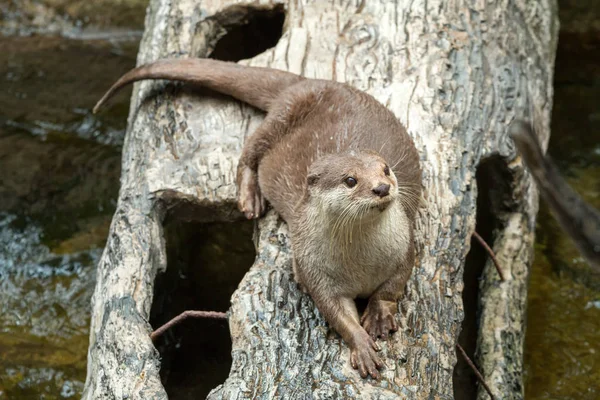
580,220
341,171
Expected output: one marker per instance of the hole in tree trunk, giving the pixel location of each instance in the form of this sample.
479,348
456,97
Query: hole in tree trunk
250,31
205,262
493,202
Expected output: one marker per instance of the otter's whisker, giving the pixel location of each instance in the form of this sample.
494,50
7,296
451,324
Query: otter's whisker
400,159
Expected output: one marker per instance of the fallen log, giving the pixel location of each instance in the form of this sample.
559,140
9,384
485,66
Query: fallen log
456,73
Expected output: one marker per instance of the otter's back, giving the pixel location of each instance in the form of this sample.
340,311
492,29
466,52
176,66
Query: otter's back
324,117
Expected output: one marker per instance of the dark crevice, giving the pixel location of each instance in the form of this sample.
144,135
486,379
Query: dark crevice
494,200
205,263
250,30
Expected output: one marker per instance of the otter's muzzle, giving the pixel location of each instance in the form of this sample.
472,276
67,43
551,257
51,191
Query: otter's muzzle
382,190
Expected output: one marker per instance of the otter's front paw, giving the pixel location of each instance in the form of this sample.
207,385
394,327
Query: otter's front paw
250,199
379,318
363,357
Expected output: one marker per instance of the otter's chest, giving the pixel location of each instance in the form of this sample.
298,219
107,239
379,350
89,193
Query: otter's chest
372,256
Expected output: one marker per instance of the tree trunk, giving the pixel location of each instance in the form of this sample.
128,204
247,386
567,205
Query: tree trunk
455,73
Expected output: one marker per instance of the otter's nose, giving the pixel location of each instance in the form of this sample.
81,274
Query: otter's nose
382,190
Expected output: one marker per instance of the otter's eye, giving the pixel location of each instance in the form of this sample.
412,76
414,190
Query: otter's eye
350,181
386,171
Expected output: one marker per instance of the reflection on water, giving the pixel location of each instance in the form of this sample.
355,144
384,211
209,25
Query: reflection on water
87,127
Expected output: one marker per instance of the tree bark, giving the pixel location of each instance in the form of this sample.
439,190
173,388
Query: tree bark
455,72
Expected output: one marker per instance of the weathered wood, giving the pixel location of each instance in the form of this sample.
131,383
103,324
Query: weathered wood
455,72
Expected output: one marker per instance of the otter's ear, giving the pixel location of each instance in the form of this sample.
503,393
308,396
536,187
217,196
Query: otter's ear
312,179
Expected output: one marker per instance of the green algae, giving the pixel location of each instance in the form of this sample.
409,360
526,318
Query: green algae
562,344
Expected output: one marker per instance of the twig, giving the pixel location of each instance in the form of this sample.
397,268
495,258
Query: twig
185,315
491,254
475,370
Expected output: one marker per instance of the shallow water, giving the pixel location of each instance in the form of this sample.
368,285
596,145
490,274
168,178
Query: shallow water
44,303
562,344
59,179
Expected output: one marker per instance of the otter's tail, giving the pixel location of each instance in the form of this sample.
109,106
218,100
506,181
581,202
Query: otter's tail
578,218
253,85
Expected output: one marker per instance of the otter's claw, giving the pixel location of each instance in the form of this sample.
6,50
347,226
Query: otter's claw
250,199
379,318
363,357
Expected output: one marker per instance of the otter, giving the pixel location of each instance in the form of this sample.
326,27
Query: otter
580,220
341,171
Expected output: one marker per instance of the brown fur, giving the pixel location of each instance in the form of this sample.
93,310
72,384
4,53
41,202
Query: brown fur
348,242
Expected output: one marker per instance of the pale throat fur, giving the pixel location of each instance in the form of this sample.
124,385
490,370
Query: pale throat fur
362,226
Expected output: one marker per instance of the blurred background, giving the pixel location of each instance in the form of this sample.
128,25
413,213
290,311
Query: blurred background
59,179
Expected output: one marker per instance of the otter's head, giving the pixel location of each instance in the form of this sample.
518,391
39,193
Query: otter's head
359,184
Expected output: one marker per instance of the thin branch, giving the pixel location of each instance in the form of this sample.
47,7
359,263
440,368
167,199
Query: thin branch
491,254
475,370
184,315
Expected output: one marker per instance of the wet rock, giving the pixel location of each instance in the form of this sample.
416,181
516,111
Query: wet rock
69,17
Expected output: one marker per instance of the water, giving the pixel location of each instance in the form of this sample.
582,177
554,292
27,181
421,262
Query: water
59,179
44,309
562,344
